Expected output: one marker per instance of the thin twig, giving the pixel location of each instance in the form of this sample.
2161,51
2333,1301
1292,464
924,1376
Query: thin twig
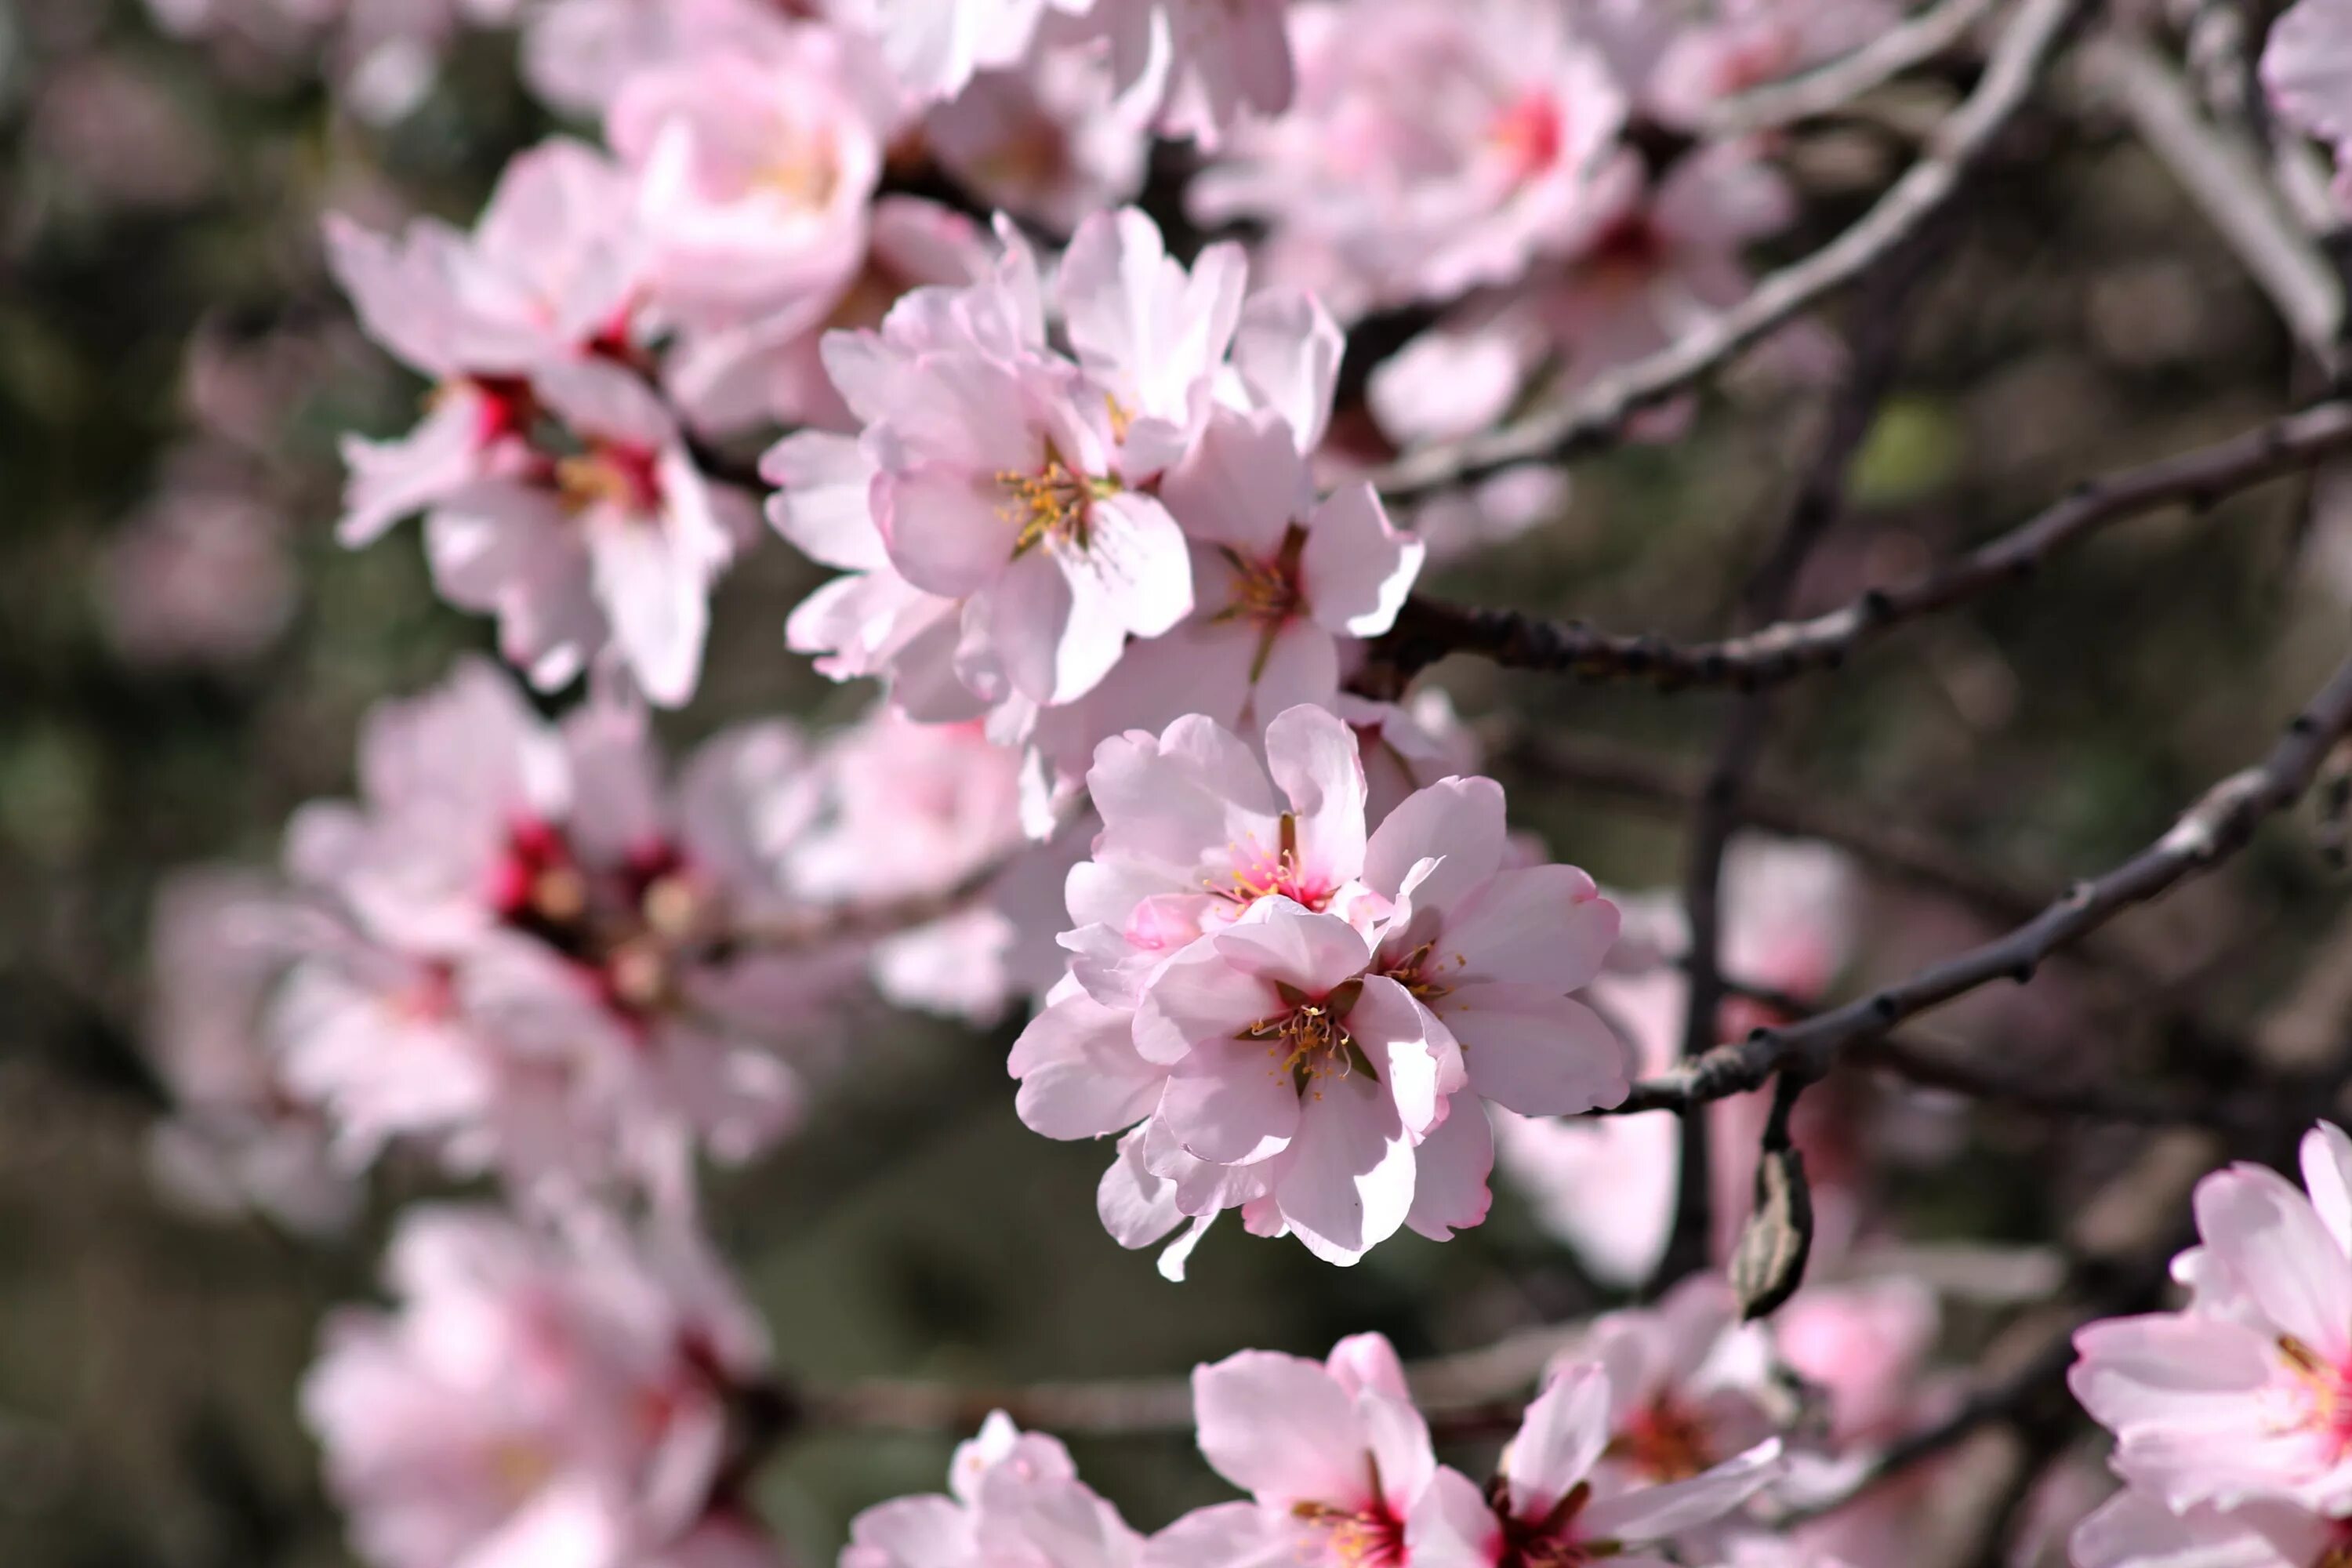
1596,413
1828,88
2227,181
1427,630
2217,826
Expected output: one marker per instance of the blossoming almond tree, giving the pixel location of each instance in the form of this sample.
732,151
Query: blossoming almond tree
1112,372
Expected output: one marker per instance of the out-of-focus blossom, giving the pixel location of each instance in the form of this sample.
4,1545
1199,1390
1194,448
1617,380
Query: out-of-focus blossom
1433,148
1655,262
756,169
2135,1530
916,812
2307,65
1687,1381
118,134
1191,67
553,966
199,575
1685,59
578,54
1548,1504
1014,1500
614,546
1333,1454
606,534
561,1401
2244,1394
1311,1019
237,1140
1044,139
1788,926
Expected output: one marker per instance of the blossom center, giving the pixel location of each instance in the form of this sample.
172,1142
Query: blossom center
1417,971
800,170
1310,1039
1548,1539
1257,873
1053,503
1528,135
1665,1440
632,927
626,478
1371,1537
2326,1393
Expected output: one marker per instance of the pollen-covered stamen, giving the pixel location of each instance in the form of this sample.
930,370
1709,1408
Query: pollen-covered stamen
1665,1440
1266,594
1310,1039
1421,971
1055,503
1257,873
1368,1538
2325,1393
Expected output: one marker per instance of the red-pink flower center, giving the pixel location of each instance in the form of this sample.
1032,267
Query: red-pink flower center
2326,1390
1550,1538
1665,1440
611,474
629,926
1528,135
1261,873
1370,1537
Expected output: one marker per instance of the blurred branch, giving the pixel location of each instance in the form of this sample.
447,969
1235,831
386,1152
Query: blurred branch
1914,41
1427,631
2227,181
2215,827
1472,1393
2025,49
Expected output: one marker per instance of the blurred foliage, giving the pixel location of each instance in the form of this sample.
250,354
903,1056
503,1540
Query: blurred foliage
148,1360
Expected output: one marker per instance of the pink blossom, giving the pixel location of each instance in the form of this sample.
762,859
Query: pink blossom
1007,482
1687,1381
1649,265
561,1402
1192,66
2135,1530
2248,1392
1014,1501
577,54
1333,1454
557,924
1282,583
1734,45
755,169
1548,1504
236,1138
2307,67
1431,149
614,547
1196,831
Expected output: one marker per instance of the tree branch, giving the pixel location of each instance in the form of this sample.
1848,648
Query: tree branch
2229,184
1427,630
2217,826
1595,414
1827,88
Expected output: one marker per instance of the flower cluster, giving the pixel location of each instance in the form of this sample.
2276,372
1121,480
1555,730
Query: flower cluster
2233,1417
1300,1017
557,1401
526,950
